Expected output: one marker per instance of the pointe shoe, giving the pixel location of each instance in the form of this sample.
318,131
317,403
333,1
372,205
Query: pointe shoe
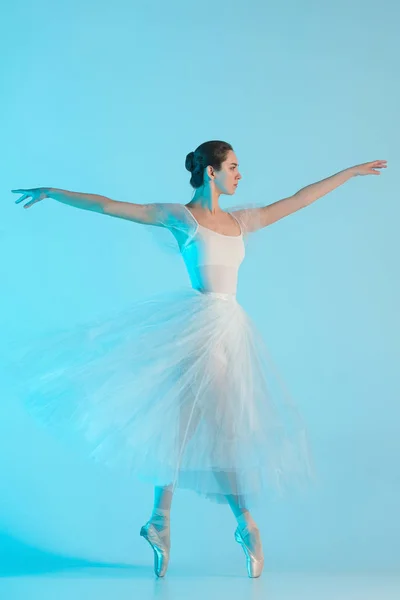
255,563
160,547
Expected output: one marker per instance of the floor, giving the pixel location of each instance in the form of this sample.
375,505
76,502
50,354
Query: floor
139,582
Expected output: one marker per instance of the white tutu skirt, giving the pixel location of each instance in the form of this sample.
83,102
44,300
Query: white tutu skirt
178,389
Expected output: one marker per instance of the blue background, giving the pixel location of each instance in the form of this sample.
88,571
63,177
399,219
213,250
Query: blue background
109,98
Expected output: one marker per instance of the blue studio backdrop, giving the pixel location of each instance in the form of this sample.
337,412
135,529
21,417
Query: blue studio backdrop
108,98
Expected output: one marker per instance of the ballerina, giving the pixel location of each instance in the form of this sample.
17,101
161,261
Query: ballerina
179,389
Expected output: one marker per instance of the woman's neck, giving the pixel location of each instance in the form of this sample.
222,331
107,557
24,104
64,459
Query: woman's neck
206,199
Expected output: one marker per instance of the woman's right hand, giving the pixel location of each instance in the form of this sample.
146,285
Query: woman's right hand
37,194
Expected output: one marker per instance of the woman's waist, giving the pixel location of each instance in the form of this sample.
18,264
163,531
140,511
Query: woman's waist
217,294
215,280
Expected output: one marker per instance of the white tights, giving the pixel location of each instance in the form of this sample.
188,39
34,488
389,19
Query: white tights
162,506
160,518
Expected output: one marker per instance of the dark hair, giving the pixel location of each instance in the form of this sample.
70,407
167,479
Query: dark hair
212,153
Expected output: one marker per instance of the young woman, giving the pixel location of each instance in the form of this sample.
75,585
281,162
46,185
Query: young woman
180,389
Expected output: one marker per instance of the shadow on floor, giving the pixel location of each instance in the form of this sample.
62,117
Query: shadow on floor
17,558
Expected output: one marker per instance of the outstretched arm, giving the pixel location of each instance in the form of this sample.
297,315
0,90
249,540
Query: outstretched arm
147,214
256,218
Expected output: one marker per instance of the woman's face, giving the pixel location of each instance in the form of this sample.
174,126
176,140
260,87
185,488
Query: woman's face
228,177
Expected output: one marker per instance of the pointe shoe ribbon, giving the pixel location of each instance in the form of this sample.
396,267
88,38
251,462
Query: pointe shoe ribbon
255,563
160,547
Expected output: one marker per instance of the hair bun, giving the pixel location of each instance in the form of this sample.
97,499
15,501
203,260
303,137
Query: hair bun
189,163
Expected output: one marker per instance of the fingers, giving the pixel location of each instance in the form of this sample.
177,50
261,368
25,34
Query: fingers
31,203
24,197
377,164
25,194
372,168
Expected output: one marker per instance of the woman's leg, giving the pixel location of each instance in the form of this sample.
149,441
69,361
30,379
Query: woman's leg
163,495
241,513
248,535
160,516
157,530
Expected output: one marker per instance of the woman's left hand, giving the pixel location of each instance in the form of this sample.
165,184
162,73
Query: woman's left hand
369,168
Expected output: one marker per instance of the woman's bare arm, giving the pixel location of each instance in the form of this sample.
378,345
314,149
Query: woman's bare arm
256,218
139,213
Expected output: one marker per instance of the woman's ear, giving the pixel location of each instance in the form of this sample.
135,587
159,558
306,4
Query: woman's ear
210,172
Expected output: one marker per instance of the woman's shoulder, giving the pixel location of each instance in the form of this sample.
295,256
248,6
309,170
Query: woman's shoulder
174,215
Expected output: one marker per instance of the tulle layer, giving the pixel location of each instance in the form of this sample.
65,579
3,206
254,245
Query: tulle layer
177,389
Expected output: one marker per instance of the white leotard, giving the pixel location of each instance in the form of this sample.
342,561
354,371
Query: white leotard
213,259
